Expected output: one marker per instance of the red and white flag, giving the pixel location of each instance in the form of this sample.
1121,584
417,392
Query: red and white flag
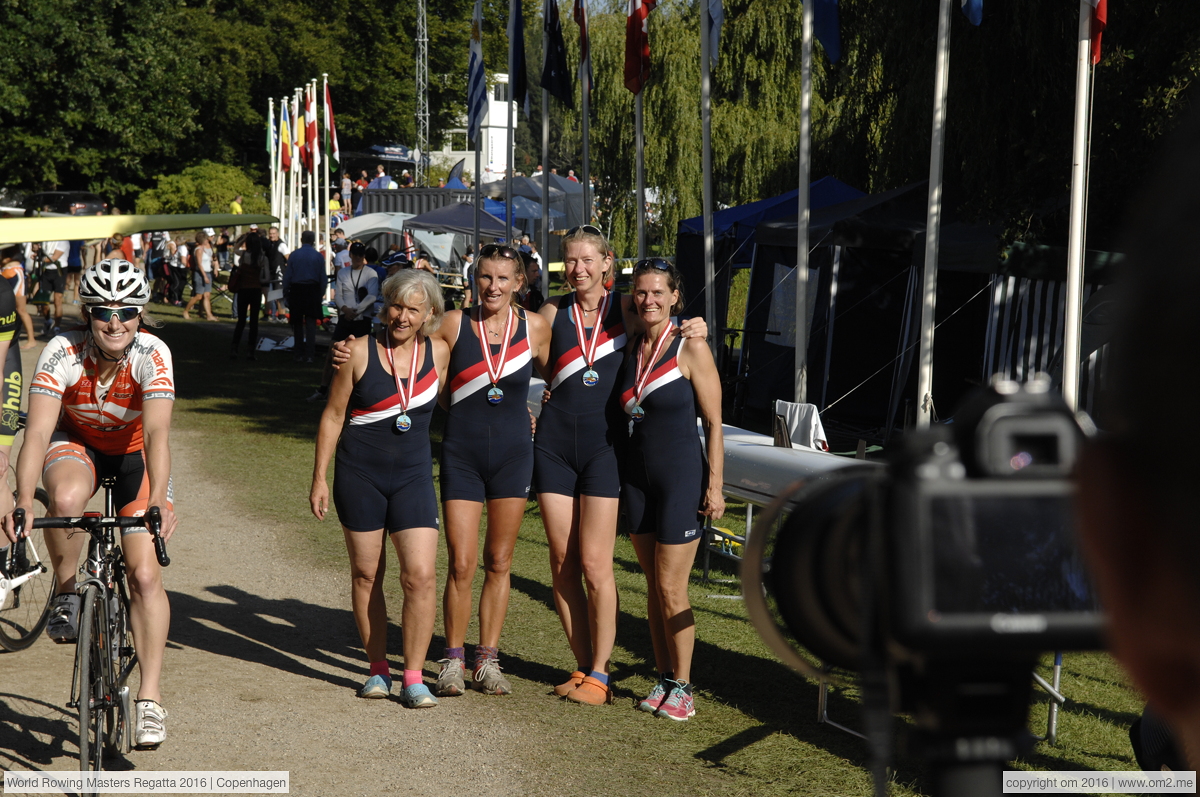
637,44
1099,23
580,14
310,123
331,142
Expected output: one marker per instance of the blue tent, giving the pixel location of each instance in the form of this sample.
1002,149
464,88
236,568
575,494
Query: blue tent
454,182
460,218
522,209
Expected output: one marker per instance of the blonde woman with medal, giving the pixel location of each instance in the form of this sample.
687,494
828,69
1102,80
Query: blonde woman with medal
670,483
378,416
575,474
487,456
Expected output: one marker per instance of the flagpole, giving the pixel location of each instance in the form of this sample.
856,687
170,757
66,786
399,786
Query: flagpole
508,152
271,149
933,222
544,242
584,63
325,174
710,298
297,183
800,389
1078,225
641,174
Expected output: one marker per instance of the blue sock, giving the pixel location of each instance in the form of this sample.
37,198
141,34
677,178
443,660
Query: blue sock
599,676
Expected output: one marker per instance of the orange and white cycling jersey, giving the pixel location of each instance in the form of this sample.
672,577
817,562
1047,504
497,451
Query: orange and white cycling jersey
112,425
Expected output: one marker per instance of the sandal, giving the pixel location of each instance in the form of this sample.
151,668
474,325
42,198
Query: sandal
591,692
64,618
572,683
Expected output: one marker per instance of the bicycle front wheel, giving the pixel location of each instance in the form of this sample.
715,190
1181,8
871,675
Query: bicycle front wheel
90,666
122,658
25,609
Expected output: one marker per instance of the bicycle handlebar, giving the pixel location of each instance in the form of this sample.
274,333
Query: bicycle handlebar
90,522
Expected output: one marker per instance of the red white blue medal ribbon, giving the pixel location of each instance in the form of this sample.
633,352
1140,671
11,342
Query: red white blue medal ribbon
403,422
644,367
494,365
587,344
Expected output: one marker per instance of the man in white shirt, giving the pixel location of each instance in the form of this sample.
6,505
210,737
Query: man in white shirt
54,275
355,295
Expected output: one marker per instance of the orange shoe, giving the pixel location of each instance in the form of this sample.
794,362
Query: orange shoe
572,683
591,692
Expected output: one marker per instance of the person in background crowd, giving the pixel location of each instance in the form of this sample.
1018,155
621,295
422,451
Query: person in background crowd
571,176
12,269
53,280
201,265
347,190
381,178
245,281
355,296
74,268
224,250
406,180
235,207
341,252
335,204
532,299
304,281
277,252
468,277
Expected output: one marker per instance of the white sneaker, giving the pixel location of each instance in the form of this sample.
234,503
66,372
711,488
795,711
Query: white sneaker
151,727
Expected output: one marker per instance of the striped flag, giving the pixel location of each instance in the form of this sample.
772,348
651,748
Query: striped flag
476,78
300,142
637,44
827,28
556,78
716,16
973,11
312,141
270,137
285,138
1099,23
516,40
331,142
580,15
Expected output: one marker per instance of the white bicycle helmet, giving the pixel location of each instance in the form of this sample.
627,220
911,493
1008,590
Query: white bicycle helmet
114,280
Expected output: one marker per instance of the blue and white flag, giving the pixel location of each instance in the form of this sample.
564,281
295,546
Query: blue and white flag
973,11
827,28
519,80
716,14
476,79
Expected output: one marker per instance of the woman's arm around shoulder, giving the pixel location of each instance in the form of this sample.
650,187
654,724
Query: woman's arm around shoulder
441,358
549,308
696,363
539,343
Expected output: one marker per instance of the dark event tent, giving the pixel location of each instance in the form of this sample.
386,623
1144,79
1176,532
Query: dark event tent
459,218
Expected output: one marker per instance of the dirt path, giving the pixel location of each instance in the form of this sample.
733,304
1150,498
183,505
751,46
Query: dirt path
260,675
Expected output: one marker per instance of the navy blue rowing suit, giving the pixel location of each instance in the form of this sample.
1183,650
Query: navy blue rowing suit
573,452
662,465
487,451
384,477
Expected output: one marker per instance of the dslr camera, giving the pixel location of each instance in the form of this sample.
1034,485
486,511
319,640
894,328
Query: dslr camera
939,577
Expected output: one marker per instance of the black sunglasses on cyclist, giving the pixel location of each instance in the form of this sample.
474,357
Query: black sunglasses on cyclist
590,229
655,263
492,250
104,314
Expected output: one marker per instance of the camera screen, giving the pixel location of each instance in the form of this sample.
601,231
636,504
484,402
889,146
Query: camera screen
1007,554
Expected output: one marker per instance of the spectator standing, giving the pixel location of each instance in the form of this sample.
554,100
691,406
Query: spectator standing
381,178
355,296
201,263
54,270
74,269
347,190
277,252
235,207
304,281
246,281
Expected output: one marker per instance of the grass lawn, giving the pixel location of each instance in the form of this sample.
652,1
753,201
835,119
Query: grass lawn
754,732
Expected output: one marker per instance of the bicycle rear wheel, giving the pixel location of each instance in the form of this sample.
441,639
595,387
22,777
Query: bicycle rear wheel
25,610
90,666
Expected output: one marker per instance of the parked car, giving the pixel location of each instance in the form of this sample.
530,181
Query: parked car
70,203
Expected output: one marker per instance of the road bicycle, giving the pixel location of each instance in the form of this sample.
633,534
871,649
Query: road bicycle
27,586
104,652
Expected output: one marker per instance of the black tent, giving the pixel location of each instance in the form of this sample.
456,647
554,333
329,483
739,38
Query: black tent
460,218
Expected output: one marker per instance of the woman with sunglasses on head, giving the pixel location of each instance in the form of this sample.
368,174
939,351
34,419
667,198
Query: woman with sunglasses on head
669,482
380,406
487,456
100,405
576,475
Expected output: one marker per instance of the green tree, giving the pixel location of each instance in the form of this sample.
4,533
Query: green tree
208,183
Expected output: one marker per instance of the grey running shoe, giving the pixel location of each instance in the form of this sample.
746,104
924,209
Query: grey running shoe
489,680
64,617
450,680
151,728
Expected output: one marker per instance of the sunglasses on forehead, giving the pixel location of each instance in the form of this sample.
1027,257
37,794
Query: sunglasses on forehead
105,314
493,250
590,229
655,263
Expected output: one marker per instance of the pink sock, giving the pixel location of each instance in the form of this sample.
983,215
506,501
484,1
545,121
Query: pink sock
411,677
380,668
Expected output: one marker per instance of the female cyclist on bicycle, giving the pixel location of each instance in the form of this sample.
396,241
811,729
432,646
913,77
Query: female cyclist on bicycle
100,405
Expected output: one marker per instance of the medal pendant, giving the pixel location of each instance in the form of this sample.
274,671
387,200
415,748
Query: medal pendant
590,378
638,413
403,423
495,395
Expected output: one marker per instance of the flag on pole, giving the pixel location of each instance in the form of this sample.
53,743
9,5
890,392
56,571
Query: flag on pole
973,11
555,77
331,142
637,44
580,15
827,29
476,78
716,18
301,139
1099,23
271,137
285,139
310,122
516,40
